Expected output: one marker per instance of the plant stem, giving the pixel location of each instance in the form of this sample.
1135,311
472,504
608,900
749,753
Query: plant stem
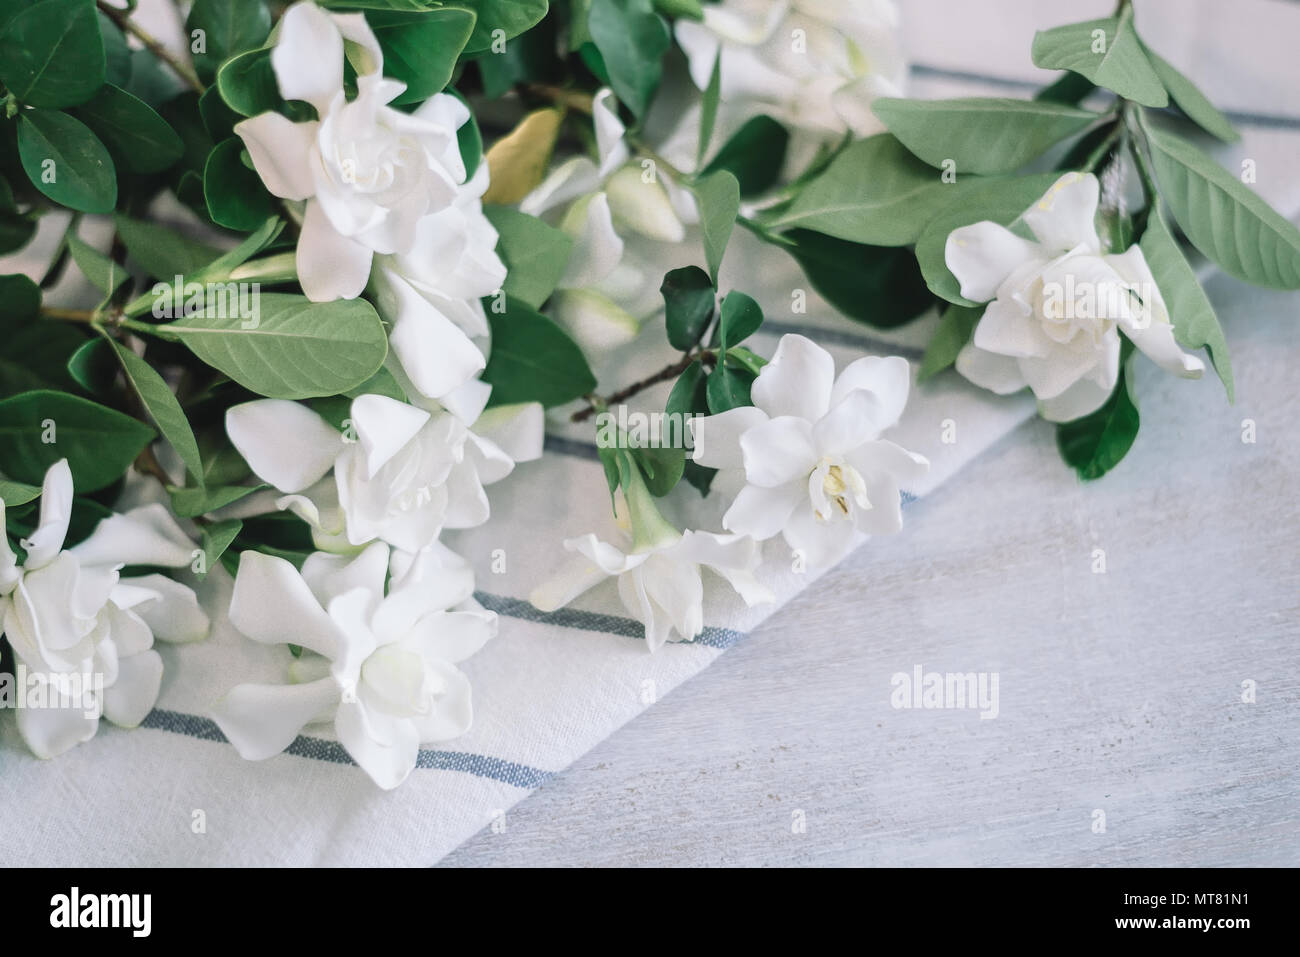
595,403
180,68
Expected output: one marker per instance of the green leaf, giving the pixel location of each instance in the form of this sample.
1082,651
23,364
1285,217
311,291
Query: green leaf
229,27
690,9
1095,444
94,366
293,348
247,83
689,396
157,398
709,109
688,305
728,388
879,285
39,428
754,155
51,54
216,539
719,198
738,319
1002,201
21,298
160,252
1069,89
534,360
1107,52
35,356
1195,324
130,128
1192,101
661,467
117,55
470,140
105,274
421,49
13,494
534,253
66,161
1222,217
234,193
956,327
192,502
875,192
632,40
980,135
512,17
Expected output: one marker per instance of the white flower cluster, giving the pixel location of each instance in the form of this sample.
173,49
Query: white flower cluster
384,610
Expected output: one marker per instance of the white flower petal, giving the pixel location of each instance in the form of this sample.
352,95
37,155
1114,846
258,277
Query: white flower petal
143,536
384,426
571,179
596,323
778,451
49,732
762,512
578,575
597,248
453,712
1009,329
367,58
797,381
435,353
56,511
716,438
1083,398
174,613
132,696
983,255
388,764
1151,330
330,265
284,443
1065,217
308,56
263,720
281,152
272,604
643,207
610,130
434,579
453,636
518,430
331,576
821,543
988,370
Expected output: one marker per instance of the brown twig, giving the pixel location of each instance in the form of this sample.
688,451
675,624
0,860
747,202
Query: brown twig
663,375
127,25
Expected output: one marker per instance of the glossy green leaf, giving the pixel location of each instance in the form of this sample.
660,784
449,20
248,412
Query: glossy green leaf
293,348
534,360
1188,97
632,40
879,285
66,161
719,198
955,329
157,398
981,135
689,299
39,428
234,193
1096,443
1190,311
535,254
140,139
51,54
1107,52
1223,217
755,155
229,27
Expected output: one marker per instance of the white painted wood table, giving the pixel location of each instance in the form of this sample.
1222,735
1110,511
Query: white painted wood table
1120,693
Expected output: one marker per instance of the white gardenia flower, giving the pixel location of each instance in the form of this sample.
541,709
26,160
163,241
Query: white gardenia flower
431,294
617,214
658,570
814,465
367,172
401,474
1059,304
70,613
381,667
815,65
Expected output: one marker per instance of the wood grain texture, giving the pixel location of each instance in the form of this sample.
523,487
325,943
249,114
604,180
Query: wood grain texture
1119,692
